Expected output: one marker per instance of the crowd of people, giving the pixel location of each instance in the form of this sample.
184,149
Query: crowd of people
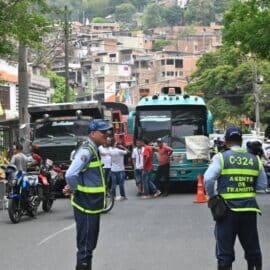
112,156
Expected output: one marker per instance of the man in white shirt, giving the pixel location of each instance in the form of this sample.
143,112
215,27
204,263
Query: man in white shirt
118,169
106,159
137,159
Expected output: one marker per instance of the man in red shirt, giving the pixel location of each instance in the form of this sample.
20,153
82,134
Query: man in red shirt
163,155
148,185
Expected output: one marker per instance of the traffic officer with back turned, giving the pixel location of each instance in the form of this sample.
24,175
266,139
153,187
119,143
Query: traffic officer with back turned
239,174
87,184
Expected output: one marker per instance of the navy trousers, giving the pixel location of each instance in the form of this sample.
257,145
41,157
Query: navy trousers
87,228
243,225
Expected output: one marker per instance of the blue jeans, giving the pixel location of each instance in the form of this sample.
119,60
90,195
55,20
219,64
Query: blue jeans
138,173
118,178
148,185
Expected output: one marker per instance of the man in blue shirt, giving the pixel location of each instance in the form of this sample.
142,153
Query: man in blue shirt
238,174
87,184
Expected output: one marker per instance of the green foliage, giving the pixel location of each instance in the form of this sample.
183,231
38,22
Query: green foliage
125,12
174,16
200,12
58,83
153,17
159,44
247,26
98,20
24,21
225,76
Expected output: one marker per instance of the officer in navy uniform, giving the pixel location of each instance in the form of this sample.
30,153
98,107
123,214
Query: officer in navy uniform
86,182
239,174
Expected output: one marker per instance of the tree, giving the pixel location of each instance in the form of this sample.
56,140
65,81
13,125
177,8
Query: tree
246,25
159,44
174,15
125,12
98,20
199,12
22,21
153,17
58,84
225,76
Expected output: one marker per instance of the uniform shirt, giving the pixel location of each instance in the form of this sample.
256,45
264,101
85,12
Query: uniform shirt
82,158
148,157
20,160
105,156
117,159
213,172
137,154
163,155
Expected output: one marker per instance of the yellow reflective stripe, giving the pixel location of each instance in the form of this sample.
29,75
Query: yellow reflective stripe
260,163
240,172
221,160
239,150
91,189
94,164
87,211
238,195
246,210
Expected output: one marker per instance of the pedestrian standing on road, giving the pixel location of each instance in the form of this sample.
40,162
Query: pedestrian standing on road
163,172
118,151
148,185
86,182
106,159
239,174
137,159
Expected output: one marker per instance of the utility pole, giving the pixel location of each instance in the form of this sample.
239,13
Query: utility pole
66,38
256,91
24,118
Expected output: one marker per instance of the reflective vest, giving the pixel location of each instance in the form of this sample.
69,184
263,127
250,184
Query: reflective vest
237,180
90,192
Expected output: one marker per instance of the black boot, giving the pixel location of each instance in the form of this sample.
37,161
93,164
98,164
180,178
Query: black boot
83,266
224,266
254,266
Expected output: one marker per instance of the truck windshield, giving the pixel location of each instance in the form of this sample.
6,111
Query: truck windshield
61,128
172,125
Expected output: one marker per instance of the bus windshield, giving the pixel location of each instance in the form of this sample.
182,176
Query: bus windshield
172,125
61,128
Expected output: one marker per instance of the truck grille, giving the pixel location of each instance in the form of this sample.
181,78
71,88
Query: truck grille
57,154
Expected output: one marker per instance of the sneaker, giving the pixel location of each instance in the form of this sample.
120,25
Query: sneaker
145,197
123,198
158,193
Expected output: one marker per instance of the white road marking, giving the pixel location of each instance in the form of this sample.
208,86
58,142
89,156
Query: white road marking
55,234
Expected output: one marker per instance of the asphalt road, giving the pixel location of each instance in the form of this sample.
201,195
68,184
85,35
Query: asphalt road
164,233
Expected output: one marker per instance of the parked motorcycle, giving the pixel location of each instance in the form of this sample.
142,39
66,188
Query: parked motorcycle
47,175
23,194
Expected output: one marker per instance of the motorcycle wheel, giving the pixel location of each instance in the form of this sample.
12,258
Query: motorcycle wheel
14,211
109,202
47,205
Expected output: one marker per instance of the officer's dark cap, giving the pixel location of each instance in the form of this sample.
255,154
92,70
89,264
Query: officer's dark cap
98,124
233,133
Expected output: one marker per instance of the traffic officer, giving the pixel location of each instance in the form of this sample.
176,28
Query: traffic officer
239,174
87,184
